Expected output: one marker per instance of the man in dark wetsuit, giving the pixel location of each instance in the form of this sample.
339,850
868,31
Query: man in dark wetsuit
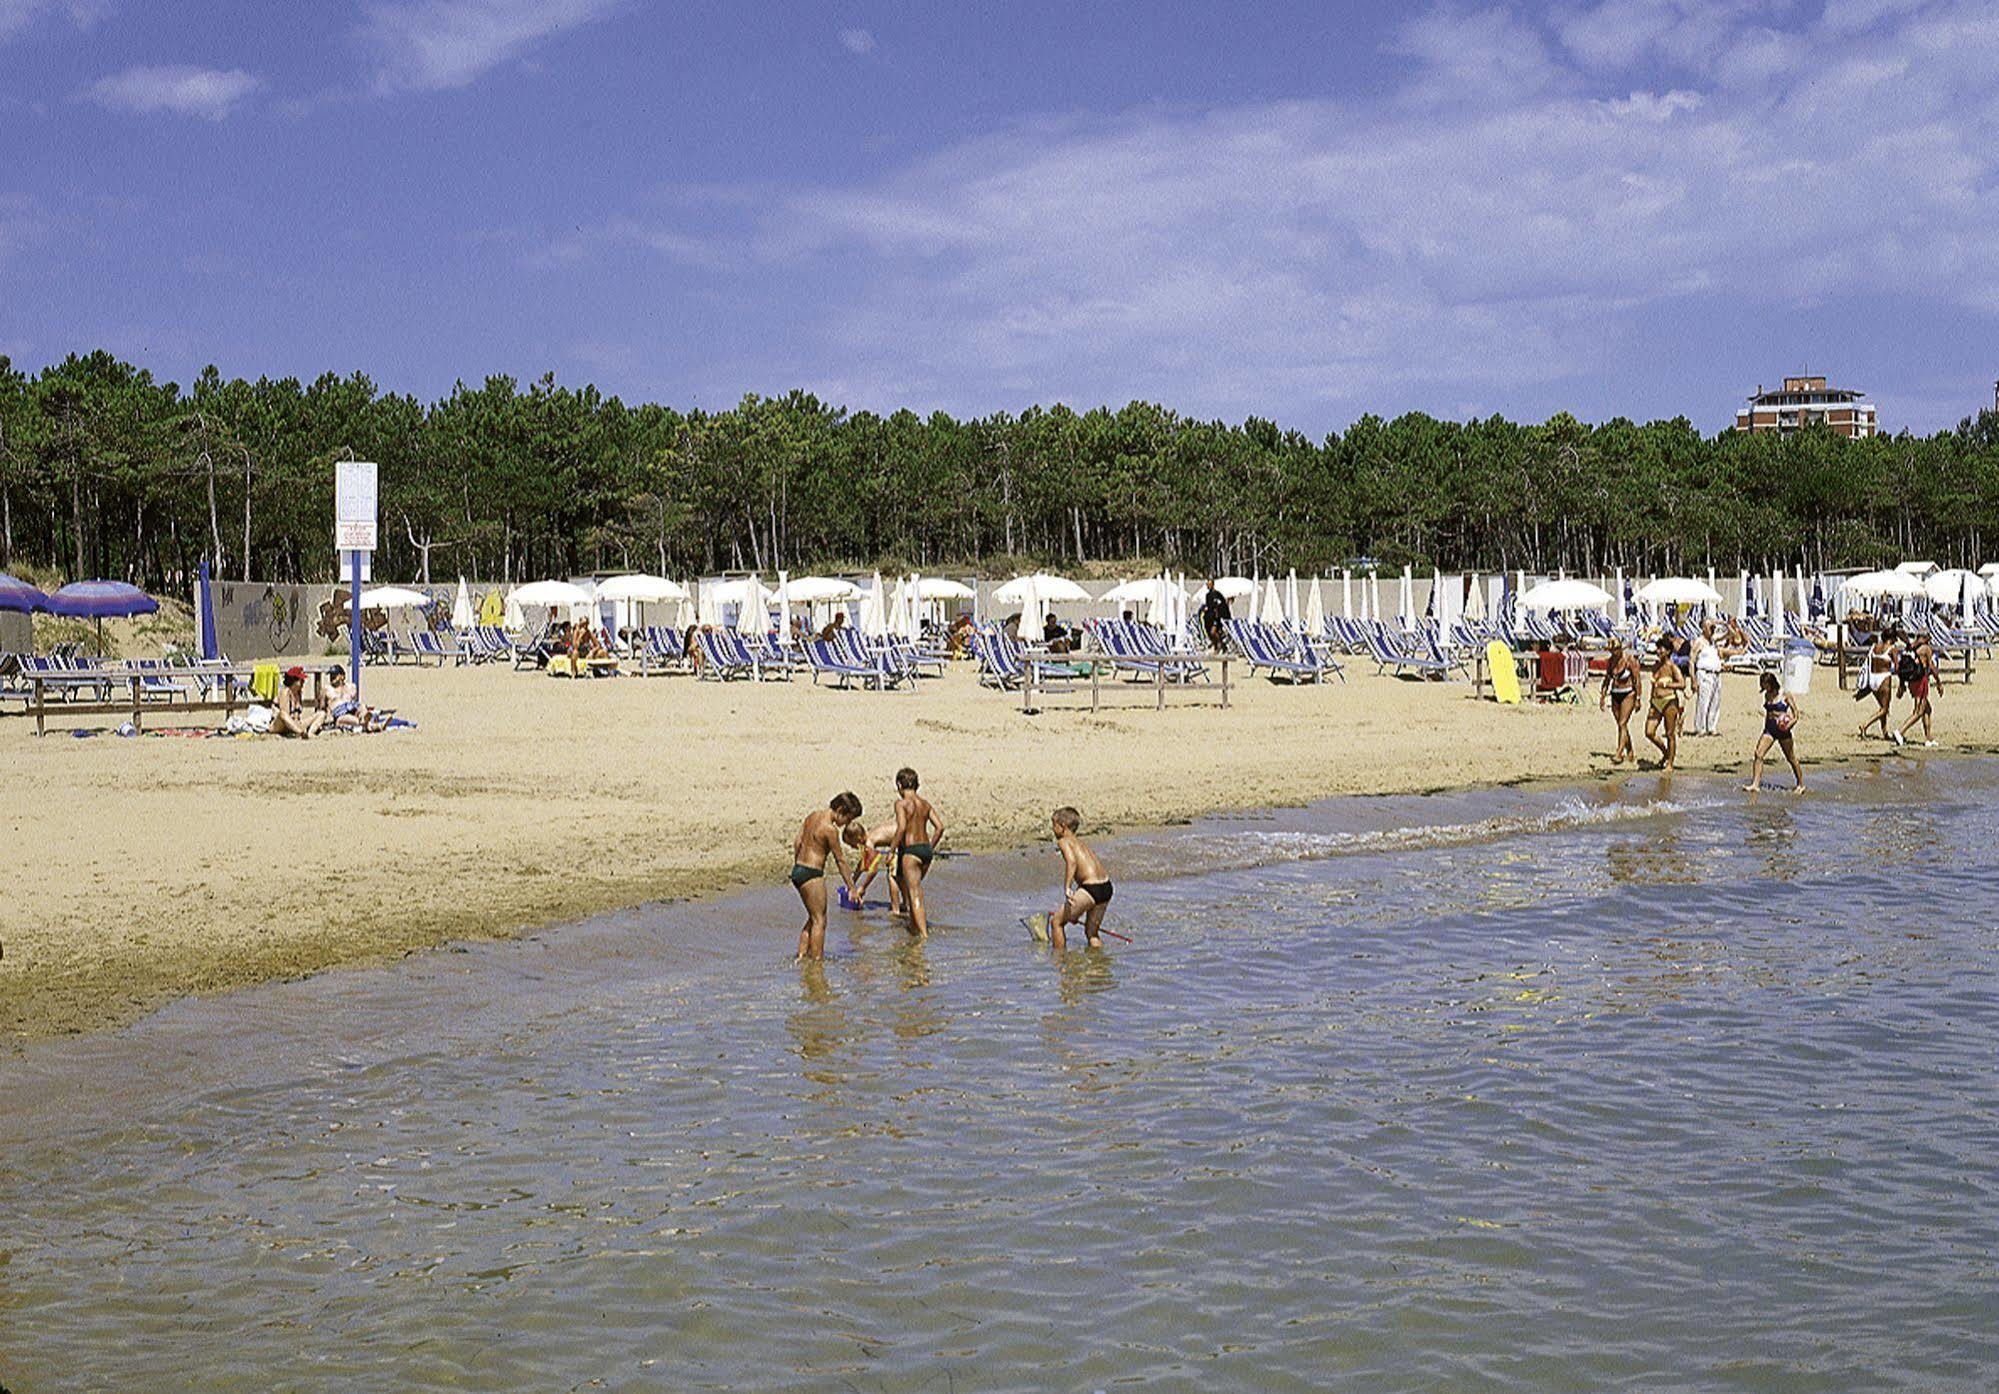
819,837
1214,613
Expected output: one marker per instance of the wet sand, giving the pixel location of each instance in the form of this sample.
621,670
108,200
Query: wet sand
149,869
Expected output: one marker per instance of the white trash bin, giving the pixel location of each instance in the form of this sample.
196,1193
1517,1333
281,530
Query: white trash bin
1799,659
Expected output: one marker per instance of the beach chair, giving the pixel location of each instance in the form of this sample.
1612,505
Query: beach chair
1265,648
770,658
836,661
1387,655
427,647
720,660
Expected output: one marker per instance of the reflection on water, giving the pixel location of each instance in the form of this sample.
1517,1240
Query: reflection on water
1487,1092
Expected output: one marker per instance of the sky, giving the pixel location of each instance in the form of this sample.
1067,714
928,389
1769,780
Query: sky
1302,210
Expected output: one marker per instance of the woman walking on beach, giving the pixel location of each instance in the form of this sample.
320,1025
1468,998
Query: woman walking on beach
1621,679
1880,680
1779,719
1918,672
1669,695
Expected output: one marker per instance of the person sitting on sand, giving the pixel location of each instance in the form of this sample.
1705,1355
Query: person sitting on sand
343,711
1669,691
818,838
1780,717
1621,682
1086,884
290,717
919,832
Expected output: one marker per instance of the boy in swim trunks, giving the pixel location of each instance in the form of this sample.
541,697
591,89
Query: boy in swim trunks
1086,885
919,832
818,839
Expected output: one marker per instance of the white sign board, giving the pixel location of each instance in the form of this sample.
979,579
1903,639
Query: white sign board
354,506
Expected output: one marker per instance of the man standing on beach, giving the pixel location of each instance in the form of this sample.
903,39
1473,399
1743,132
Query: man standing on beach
1214,616
918,834
818,839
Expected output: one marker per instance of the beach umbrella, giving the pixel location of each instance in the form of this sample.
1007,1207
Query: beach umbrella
642,589
462,617
1405,611
822,590
204,613
1565,594
1880,585
1291,598
1346,594
1954,587
1678,590
1273,603
20,597
1133,593
1235,587
1990,569
874,613
549,595
1050,590
941,588
1474,599
394,598
900,607
100,601
1315,609
1917,568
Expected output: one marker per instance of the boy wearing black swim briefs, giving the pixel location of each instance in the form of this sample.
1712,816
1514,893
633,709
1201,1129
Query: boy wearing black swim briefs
817,839
1086,885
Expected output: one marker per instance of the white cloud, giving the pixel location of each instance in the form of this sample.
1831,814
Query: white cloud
17,15
176,88
857,41
1487,227
433,45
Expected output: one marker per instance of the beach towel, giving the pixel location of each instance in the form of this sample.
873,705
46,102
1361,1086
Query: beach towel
264,681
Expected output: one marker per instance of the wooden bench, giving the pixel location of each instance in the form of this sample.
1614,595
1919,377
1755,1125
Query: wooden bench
233,680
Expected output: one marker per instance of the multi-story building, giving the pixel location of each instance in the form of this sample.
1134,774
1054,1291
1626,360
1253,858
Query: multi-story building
1803,401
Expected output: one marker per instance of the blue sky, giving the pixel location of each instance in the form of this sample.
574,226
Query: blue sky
1297,210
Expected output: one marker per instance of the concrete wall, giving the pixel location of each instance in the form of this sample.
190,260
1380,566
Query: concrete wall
262,619
15,632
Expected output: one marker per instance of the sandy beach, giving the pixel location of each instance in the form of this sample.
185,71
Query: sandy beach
153,868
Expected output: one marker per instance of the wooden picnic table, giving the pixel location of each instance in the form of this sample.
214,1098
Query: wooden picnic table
233,679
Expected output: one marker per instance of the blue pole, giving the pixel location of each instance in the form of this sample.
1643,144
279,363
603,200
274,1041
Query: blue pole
354,622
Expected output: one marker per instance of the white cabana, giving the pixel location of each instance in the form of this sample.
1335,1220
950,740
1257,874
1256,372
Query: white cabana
462,616
394,598
1677,590
1567,594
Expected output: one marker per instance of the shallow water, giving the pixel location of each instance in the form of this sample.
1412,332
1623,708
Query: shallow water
1497,1091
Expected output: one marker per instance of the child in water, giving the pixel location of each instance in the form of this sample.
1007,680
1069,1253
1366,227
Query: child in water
1779,718
873,844
1086,885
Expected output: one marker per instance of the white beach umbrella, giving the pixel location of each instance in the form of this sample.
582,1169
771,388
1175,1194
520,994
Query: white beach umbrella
1273,602
1291,612
1954,587
1050,590
821,590
1406,609
553,595
394,598
1235,588
1315,608
874,610
1132,593
1917,568
1990,569
641,588
1677,590
1891,585
1568,594
939,588
1474,599
1346,594
462,616
898,607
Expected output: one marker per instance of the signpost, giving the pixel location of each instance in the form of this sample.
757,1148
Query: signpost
354,534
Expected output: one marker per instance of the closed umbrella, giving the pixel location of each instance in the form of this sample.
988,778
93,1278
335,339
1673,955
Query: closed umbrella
462,617
874,612
1315,609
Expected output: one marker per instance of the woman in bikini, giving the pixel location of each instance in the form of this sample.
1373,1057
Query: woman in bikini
1669,695
1621,677
1779,719
1880,681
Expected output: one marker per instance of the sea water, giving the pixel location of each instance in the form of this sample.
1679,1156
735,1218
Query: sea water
1652,1087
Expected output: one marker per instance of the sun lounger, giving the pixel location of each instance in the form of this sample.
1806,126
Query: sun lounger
830,660
1267,649
1388,655
426,647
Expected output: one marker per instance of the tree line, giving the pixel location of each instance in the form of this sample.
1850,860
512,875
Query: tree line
106,472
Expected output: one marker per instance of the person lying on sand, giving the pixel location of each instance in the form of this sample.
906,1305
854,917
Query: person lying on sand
290,717
1086,885
918,834
818,839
